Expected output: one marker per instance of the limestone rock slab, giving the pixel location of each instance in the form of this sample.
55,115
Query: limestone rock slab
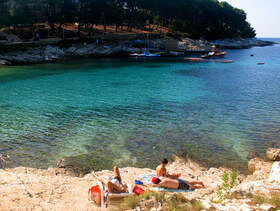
273,154
275,172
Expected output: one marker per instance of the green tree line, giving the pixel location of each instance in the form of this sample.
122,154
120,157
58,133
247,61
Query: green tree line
207,19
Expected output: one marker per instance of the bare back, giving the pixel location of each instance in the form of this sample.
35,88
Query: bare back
168,183
161,171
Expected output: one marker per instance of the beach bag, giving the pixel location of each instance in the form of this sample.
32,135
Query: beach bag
138,190
94,194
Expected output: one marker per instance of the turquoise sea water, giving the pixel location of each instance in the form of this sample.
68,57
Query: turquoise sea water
136,111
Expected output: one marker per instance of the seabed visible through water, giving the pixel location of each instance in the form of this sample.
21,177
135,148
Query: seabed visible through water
111,111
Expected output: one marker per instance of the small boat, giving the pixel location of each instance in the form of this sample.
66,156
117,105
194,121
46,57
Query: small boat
227,61
260,63
145,54
134,54
142,55
137,55
213,55
151,54
190,59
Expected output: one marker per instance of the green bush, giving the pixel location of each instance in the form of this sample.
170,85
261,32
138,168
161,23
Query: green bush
224,191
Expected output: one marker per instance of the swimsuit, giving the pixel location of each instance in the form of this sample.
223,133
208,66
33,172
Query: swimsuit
183,185
117,182
117,178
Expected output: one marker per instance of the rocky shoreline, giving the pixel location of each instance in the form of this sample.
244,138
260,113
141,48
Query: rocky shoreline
57,189
47,51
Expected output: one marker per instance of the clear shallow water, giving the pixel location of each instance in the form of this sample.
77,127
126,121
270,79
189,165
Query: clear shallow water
137,111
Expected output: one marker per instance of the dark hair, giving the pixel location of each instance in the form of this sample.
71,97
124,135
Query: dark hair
164,161
156,180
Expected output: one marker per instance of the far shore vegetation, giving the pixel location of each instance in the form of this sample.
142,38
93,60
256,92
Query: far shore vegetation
198,19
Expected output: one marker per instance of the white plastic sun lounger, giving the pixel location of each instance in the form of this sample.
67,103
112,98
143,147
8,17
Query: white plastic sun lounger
106,198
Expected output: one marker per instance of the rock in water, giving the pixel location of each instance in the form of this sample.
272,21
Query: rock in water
273,154
4,62
53,52
275,172
10,38
61,163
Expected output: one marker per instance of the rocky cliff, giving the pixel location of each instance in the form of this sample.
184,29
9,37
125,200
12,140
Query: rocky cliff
56,189
53,50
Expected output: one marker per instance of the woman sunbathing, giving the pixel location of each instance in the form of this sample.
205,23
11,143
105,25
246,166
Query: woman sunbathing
114,184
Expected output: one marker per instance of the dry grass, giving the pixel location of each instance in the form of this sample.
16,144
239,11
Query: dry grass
173,202
129,203
274,200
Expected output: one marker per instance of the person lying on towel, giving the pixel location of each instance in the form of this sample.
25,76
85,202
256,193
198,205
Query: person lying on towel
176,183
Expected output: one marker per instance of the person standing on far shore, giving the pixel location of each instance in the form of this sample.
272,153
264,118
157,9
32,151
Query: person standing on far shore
36,36
161,170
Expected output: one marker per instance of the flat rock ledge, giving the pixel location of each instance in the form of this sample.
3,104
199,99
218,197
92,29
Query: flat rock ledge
273,154
56,189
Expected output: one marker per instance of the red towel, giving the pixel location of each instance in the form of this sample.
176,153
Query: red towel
138,190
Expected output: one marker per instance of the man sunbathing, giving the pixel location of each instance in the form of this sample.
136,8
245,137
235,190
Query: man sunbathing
176,183
162,172
114,184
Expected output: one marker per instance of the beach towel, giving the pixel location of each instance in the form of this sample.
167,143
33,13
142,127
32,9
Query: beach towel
138,190
147,178
170,190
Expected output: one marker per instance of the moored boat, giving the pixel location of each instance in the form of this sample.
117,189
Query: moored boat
134,54
214,55
145,54
191,59
151,54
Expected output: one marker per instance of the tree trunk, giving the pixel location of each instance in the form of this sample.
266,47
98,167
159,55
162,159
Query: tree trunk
86,27
79,29
169,22
129,28
51,23
91,30
51,18
80,19
128,25
161,26
103,20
